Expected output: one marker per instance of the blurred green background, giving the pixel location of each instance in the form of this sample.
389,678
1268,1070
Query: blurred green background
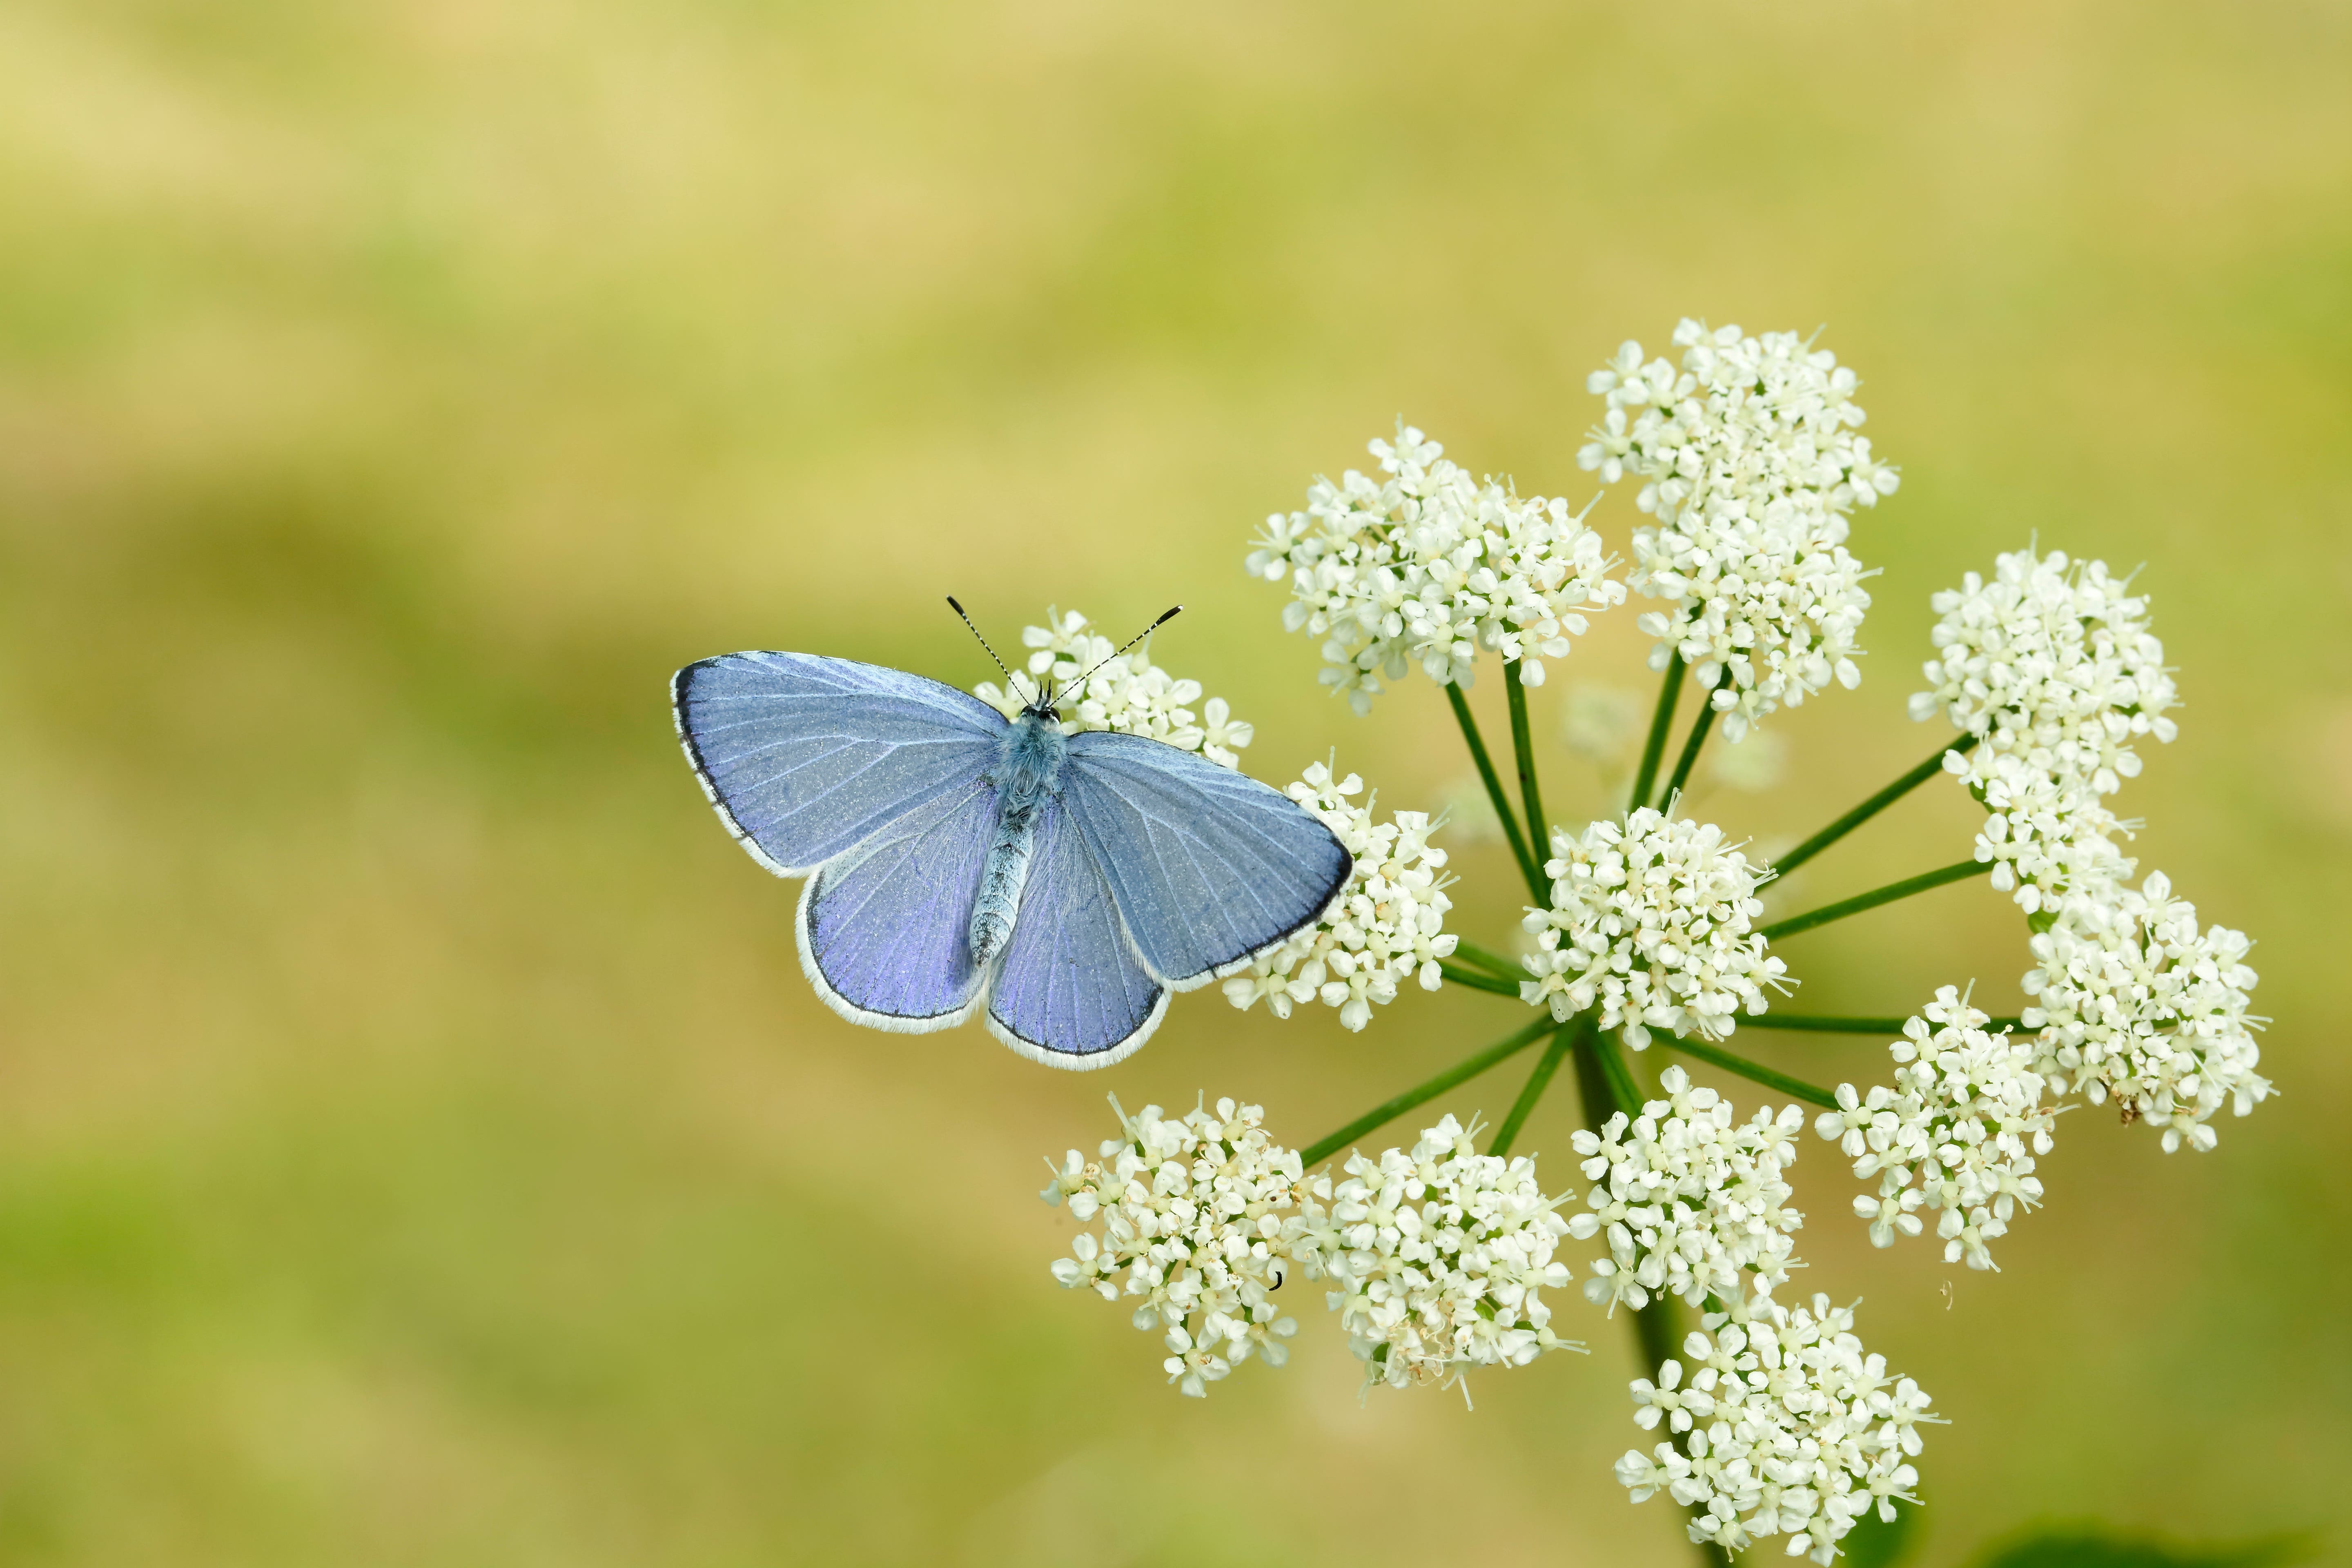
417,1143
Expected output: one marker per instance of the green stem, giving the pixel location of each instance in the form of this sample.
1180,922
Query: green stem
1493,961
1699,727
1660,721
1872,806
1322,1149
1795,1088
1821,1024
1523,752
1494,783
1479,980
1876,897
1607,1087
1538,1081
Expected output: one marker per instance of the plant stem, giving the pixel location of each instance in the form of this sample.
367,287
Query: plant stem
1660,721
1479,980
1463,1071
1876,897
1502,803
1523,752
1819,1023
1872,806
1699,727
1538,1081
1795,1088
1493,962
1607,1087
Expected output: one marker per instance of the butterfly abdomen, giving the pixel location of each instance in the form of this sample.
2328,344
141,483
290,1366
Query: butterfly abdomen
1027,767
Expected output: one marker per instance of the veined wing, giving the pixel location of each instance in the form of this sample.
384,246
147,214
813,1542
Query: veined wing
883,928
1208,868
805,757
1070,992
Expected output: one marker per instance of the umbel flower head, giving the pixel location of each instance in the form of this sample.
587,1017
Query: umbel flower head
1386,927
2052,666
1964,1122
1650,922
1688,1198
1126,691
2134,1002
1439,1256
2050,661
1789,1429
1426,566
1750,463
1194,1230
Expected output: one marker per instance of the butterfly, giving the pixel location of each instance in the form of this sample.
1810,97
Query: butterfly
959,861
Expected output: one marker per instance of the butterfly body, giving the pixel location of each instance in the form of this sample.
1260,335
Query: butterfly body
959,864
1028,769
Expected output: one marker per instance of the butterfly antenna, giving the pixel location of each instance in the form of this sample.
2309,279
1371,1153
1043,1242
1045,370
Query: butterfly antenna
1166,616
983,641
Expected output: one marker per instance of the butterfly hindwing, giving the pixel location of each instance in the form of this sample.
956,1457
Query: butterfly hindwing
1070,991
1207,866
883,928
805,757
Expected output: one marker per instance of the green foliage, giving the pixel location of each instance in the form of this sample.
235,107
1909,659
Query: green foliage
1876,1545
2095,1546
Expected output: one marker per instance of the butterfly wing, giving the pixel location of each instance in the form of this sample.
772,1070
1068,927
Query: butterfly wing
1070,991
805,757
883,928
1208,868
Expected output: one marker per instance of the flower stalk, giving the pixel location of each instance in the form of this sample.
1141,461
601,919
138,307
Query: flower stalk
1869,808
1529,868
1888,894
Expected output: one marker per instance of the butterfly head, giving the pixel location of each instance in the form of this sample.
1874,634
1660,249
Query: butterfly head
1044,702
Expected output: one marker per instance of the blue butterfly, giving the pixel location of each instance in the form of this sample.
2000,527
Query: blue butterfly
958,860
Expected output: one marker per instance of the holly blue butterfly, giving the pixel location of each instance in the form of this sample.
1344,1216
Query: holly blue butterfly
958,860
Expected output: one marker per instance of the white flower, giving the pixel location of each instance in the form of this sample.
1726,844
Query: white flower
1792,1429
2052,661
2132,1001
1196,1217
1440,1256
1687,1200
1426,566
1125,692
2049,837
1752,466
1965,1120
1650,922
1386,927
2052,666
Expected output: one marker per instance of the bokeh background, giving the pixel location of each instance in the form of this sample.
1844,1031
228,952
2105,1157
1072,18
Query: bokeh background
417,1143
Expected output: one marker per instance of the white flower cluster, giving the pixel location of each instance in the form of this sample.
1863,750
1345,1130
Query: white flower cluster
1751,464
1789,1429
2134,1002
1688,1198
1966,1118
2052,666
1425,565
1387,926
1125,692
1440,1256
1195,1219
1650,921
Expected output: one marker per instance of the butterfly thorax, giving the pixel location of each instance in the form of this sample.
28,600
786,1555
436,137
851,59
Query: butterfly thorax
1028,768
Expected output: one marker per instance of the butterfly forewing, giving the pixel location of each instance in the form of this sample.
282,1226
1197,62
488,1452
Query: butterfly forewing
807,757
883,928
1208,868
